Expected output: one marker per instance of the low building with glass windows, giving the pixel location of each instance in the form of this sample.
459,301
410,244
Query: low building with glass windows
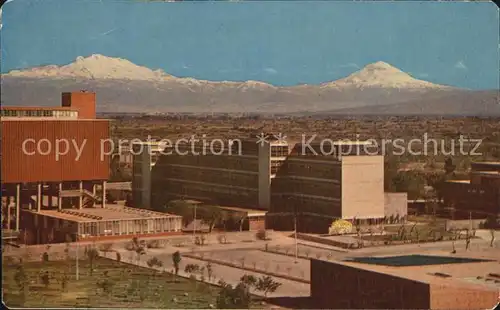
92,224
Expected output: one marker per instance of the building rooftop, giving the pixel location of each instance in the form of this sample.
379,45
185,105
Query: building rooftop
109,213
415,260
486,172
33,108
42,119
494,163
479,270
249,212
459,181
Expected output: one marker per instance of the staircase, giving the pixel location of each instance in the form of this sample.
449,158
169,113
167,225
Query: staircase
89,199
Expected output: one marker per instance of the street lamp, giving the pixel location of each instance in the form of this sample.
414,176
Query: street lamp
295,230
77,253
194,225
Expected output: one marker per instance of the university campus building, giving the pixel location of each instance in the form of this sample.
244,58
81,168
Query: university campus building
54,174
407,282
478,197
275,177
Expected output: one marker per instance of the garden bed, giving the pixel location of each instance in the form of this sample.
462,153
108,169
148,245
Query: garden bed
132,287
239,266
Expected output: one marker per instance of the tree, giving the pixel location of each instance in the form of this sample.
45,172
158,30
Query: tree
267,285
449,167
176,259
64,281
138,288
92,255
410,182
249,280
45,278
210,270
431,202
182,208
233,298
106,284
467,239
129,202
402,233
106,247
21,280
391,167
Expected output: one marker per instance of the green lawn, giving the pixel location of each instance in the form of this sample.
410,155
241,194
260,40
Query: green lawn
133,287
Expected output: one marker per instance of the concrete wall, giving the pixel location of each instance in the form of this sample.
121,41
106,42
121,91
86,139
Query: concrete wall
396,204
336,286
443,297
362,187
256,223
464,224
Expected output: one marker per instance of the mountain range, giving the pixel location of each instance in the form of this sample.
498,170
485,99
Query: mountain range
122,86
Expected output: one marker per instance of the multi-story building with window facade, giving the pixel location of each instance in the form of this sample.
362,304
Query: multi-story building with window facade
318,186
478,197
54,163
277,177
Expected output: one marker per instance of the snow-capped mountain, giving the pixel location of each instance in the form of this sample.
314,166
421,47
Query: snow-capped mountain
124,86
382,74
94,67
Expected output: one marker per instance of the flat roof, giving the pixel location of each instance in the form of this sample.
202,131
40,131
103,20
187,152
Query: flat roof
459,181
250,212
415,260
51,119
486,172
109,213
494,163
473,274
33,108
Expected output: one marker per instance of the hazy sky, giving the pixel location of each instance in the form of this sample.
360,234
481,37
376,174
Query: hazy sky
283,43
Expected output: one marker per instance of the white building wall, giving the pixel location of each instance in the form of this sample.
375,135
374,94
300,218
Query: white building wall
362,187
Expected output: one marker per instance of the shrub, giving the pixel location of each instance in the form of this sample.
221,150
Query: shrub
261,235
222,239
129,246
154,262
106,285
153,244
106,247
45,257
191,268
